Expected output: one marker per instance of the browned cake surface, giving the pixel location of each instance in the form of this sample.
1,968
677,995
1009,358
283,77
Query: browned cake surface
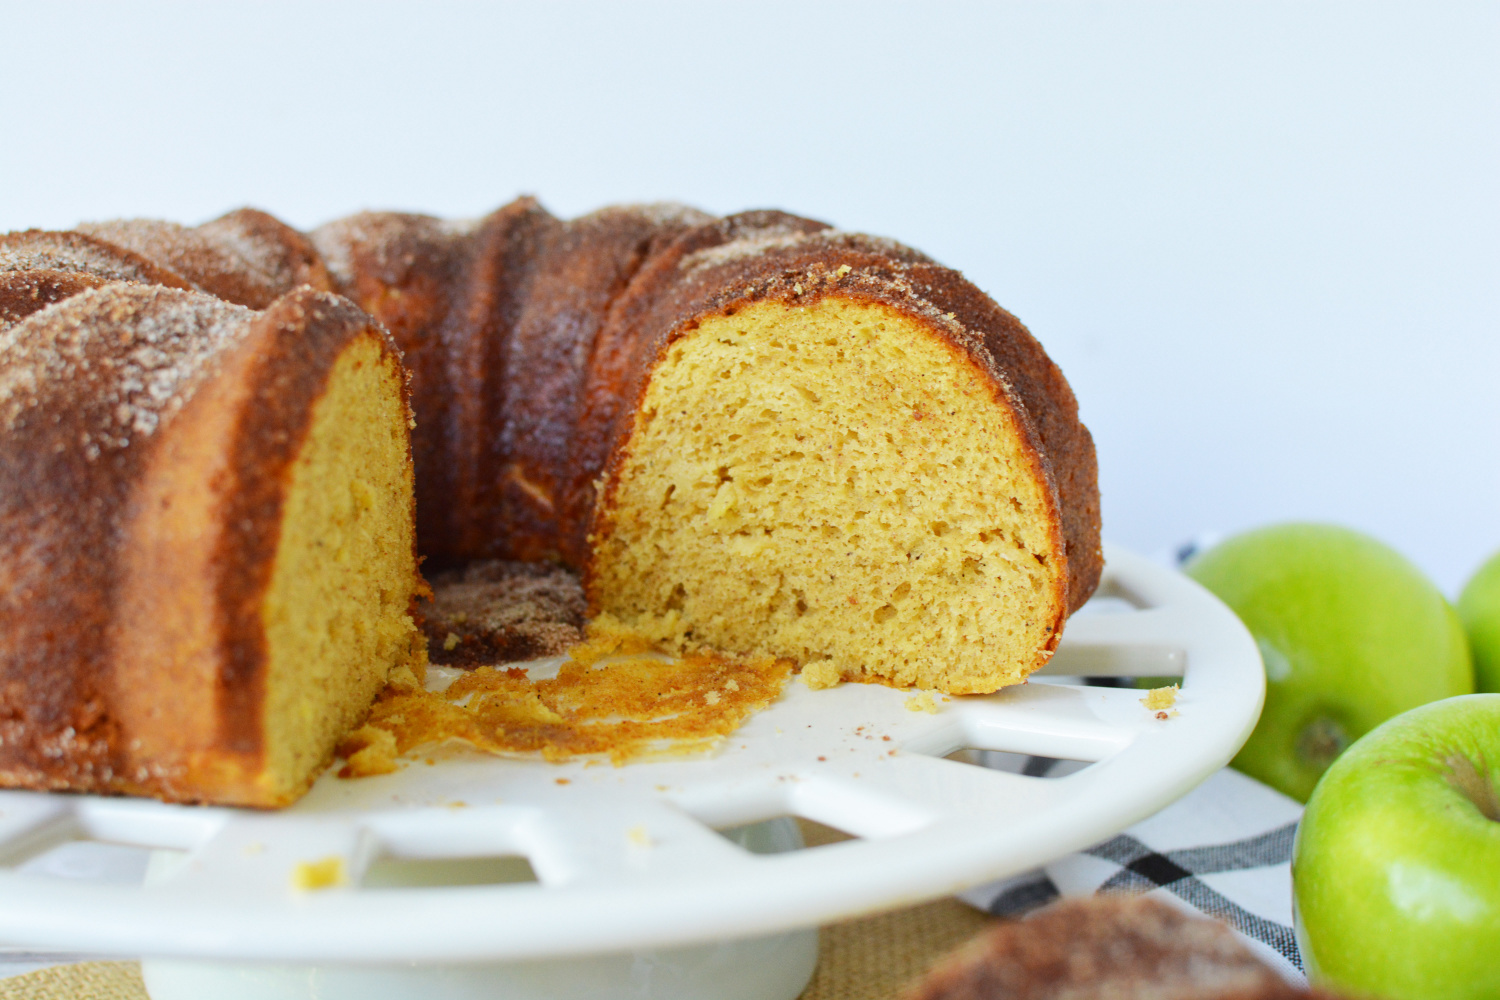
246,257
25,292
79,415
1106,948
494,612
498,319
36,250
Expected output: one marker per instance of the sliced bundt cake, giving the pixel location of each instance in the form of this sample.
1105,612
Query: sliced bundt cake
754,434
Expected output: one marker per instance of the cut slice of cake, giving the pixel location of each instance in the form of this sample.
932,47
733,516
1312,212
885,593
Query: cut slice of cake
207,552
826,461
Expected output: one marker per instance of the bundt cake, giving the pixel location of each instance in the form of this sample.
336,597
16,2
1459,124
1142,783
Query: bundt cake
754,434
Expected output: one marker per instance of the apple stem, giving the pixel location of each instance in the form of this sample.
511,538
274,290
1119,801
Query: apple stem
1473,783
1322,740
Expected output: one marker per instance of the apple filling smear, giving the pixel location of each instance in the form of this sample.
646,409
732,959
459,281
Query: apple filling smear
614,697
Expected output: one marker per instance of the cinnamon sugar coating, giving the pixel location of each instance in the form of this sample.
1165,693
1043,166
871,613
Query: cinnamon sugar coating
494,612
84,388
25,292
78,253
498,320
246,257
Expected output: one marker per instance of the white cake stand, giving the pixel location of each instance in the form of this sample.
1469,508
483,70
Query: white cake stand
628,886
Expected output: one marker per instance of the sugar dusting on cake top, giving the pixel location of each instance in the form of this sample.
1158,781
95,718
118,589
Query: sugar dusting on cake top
118,359
392,237
668,213
36,249
786,236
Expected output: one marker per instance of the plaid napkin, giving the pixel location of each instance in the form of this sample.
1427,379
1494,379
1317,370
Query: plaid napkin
1224,849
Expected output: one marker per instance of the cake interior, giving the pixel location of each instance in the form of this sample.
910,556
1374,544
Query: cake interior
839,484
336,612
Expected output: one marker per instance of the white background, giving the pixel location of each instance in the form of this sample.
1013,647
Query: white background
1262,239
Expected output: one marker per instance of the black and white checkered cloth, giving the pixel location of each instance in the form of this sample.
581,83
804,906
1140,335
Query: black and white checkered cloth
1224,849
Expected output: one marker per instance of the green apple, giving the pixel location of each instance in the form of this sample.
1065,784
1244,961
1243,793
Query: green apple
1396,866
1351,634
1479,607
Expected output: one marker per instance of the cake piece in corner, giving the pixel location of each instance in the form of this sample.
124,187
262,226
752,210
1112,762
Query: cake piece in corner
207,551
1107,948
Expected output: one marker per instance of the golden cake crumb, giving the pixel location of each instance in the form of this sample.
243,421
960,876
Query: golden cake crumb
408,676
820,674
328,873
1160,698
607,636
368,751
745,420
922,703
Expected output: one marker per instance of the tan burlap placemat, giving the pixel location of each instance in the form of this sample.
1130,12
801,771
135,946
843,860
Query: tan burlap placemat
85,981
876,957
872,958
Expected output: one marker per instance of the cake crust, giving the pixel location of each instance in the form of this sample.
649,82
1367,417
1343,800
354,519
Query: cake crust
246,257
